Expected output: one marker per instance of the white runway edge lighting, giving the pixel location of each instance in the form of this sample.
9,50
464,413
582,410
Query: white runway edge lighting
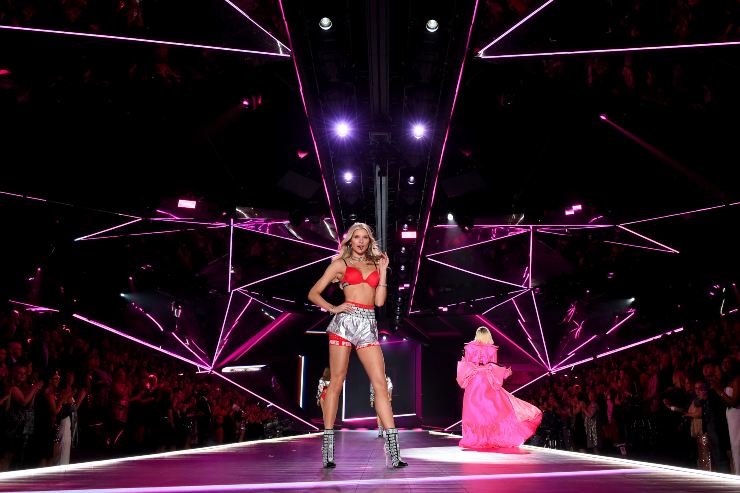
241,369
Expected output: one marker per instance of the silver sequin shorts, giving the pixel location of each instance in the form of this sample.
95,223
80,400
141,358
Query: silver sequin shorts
359,328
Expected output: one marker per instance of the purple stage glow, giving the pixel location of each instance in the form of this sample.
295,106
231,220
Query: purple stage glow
310,126
337,484
266,400
143,40
612,50
441,156
139,341
512,28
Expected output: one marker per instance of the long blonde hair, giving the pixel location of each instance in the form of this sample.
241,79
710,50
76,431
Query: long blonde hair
483,335
345,249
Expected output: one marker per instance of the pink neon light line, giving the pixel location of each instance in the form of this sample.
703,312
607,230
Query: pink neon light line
189,221
530,382
142,40
247,227
524,328
560,365
222,342
537,351
172,216
285,272
493,327
505,301
29,197
579,347
680,214
153,320
191,350
546,231
648,239
143,343
310,127
513,300
236,7
531,246
476,274
640,246
573,365
36,308
251,296
452,425
535,226
539,322
109,229
252,341
475,244
612,50
266,400
231,254
512,28
145,233
221,333
628,346
441,156
620,323
367,418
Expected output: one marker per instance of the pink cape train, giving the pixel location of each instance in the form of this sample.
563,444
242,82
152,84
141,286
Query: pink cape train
491,417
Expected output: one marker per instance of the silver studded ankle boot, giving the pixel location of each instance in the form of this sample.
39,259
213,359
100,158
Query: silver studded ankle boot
327,449
393,449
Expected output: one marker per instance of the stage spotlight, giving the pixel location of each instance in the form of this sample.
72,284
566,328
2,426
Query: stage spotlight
411,180
325,23
432,25
353,217
602,116
405,227
348,177
342,129
450,216
418,131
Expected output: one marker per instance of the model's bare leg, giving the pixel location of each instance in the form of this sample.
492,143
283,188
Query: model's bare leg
371,358
338,363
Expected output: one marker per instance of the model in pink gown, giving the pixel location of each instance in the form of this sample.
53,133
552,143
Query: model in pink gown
491,416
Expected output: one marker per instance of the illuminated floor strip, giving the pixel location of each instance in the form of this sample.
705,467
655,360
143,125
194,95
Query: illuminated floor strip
354,482
656,467
98,463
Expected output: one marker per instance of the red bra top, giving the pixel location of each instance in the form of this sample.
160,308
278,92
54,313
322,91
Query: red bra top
352,276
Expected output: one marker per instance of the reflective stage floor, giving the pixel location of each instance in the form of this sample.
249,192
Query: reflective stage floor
436,464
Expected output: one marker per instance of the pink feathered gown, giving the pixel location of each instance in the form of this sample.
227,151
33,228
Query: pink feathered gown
491,416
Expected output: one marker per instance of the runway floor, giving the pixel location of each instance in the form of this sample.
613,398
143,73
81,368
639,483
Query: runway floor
436,465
